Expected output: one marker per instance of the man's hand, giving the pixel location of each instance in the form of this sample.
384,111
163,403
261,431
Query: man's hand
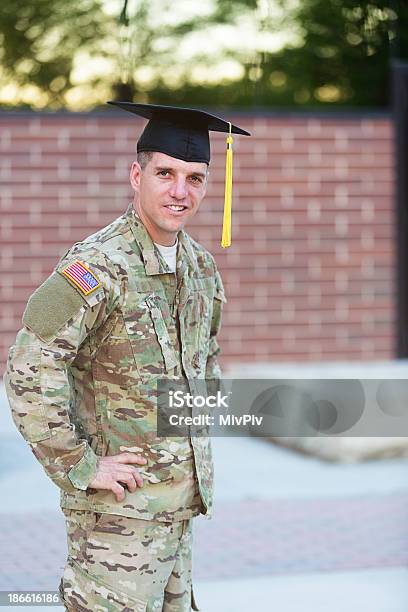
114,469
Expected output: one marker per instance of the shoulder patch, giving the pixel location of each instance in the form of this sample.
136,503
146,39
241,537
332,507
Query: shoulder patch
82,277
51,306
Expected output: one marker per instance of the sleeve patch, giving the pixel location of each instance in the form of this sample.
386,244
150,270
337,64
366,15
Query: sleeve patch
81,276
51,306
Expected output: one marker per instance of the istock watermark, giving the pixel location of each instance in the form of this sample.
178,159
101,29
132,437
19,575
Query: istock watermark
283,407
181,398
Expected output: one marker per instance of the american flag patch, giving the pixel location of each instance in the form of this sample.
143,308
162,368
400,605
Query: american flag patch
81,276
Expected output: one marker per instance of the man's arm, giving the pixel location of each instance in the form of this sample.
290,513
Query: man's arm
213,370
58,318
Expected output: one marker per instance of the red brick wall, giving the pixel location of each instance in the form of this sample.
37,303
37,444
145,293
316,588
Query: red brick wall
311,271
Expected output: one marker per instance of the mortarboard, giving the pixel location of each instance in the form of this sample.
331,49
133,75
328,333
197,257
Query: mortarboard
183,133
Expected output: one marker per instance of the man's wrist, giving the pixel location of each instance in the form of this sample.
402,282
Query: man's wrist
83,472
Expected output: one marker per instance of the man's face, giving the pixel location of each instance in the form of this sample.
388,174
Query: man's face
168,192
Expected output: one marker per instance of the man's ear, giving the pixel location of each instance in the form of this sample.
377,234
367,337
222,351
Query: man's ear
135,175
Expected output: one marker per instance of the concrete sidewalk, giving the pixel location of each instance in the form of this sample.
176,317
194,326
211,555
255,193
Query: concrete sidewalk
372,590
289,532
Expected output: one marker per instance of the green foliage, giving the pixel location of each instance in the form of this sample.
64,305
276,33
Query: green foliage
38,41
343,57
339,55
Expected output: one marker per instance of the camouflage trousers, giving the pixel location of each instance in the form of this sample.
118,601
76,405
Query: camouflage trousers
132,565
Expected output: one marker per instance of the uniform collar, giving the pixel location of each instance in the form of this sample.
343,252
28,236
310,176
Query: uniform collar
152,258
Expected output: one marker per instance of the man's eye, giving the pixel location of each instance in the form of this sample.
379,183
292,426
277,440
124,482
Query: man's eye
163,172
196,179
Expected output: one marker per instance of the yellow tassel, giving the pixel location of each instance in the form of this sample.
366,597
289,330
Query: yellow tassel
226,226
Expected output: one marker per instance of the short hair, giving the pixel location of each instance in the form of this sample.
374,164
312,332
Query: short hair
143,158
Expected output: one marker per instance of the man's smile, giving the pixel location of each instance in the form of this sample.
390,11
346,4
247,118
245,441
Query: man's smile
176,209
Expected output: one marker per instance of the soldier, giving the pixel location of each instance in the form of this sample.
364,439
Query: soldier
137,301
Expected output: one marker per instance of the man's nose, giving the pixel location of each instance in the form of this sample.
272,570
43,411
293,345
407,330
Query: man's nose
178,189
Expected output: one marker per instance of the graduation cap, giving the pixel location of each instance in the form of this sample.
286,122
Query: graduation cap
183,133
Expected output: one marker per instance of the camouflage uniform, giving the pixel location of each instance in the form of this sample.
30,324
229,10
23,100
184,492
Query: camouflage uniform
121,563
81,377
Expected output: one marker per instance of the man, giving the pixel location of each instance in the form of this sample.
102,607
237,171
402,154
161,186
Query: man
138,301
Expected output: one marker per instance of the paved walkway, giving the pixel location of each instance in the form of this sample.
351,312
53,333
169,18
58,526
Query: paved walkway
289,532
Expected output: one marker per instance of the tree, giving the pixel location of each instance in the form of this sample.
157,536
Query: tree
77,54
343,56
133,45
39,40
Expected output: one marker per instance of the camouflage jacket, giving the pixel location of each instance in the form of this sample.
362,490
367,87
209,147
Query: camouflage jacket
82,374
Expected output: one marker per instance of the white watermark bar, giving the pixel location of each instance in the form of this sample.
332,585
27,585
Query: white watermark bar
283,407
30,598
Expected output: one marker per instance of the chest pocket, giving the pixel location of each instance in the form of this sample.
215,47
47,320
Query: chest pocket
145,317
196,323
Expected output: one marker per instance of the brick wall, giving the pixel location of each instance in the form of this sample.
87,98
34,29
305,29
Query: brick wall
311,272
